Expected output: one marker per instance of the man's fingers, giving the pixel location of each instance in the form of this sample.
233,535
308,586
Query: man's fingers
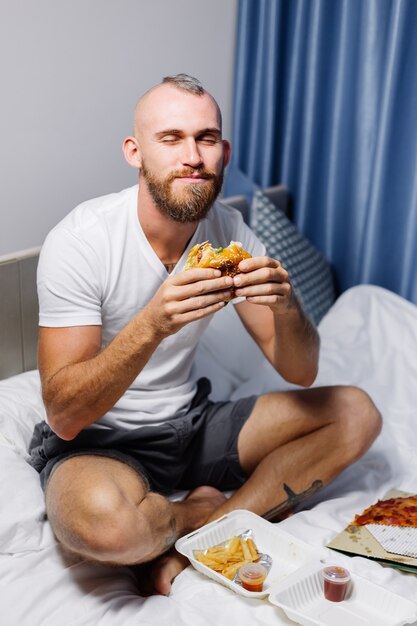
265,289
185,314
275,275
198,285
198,314
194,275
199,302
257,262
263,280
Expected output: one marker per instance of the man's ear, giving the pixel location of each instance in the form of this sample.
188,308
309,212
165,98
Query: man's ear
132,153
226,152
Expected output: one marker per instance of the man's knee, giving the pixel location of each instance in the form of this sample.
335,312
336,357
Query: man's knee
92,524
93,516
360,419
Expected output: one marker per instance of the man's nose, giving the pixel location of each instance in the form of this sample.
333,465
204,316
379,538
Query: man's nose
191,154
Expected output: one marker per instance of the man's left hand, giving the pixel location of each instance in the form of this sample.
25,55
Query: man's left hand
264,280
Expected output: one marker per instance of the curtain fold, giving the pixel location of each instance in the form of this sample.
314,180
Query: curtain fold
326,103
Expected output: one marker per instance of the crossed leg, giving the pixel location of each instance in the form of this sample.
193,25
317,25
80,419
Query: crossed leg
293,438
101,509
299,437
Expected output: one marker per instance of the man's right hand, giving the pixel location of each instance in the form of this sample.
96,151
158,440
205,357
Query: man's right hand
187,297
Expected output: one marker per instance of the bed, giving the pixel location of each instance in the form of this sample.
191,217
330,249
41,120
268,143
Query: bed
369,338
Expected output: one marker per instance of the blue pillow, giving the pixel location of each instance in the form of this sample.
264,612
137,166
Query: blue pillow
310,273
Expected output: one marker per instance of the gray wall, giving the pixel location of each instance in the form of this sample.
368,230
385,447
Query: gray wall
71,73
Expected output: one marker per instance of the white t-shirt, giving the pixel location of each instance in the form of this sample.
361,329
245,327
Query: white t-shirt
97,268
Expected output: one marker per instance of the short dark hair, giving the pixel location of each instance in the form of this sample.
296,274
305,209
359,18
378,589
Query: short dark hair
186,83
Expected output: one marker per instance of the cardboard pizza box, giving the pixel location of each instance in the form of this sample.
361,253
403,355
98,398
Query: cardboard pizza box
358,541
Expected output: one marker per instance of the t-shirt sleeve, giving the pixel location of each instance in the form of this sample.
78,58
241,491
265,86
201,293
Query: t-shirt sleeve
68,281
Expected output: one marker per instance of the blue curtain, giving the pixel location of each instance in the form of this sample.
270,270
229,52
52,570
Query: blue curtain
326,102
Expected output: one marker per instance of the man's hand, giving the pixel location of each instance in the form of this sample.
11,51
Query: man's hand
187,297
264,281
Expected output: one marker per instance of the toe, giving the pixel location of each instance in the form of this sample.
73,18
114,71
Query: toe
166,569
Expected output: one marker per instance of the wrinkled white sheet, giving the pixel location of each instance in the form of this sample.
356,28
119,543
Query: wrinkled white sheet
369,338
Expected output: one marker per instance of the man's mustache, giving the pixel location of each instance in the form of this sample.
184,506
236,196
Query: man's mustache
203,173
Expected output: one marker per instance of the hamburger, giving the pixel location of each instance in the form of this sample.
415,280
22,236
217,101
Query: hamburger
225,259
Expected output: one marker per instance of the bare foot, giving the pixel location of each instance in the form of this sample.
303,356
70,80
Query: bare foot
195,509
157,576
205,492
165,569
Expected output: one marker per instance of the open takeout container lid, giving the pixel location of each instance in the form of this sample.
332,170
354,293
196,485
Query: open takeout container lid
301,597
295,580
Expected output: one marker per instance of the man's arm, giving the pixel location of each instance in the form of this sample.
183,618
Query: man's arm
81,382
274,318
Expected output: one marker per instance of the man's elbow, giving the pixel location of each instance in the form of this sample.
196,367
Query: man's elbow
305,378
308,379
62,424
62,430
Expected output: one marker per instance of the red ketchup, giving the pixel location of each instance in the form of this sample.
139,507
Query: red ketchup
252,576
336,583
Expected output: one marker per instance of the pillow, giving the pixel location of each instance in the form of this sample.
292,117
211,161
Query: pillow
21,407
23,507
310,274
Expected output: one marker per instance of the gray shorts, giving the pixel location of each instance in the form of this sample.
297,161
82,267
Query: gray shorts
199,448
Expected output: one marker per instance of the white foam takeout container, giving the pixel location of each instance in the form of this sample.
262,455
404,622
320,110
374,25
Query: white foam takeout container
295,582
287,552
301,597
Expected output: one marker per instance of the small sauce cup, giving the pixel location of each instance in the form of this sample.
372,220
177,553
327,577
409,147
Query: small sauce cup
252,576
336,583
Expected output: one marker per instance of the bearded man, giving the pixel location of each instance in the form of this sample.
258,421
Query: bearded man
119,326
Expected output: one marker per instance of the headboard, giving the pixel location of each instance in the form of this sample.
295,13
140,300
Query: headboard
18,312
19,301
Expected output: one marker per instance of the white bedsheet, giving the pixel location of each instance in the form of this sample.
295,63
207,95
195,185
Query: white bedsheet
369,338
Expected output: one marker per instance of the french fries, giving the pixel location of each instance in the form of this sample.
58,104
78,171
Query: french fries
228,558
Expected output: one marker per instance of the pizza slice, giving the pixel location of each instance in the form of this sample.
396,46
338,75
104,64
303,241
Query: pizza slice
391,512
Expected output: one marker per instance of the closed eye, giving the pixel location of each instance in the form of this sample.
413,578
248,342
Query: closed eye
170,138
207,136
208,139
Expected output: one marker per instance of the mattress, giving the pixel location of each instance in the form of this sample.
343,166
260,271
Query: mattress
368,338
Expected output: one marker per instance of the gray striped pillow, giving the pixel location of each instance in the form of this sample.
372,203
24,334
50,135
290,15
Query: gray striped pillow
310,273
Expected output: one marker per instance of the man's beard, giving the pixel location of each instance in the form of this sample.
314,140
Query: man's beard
193,202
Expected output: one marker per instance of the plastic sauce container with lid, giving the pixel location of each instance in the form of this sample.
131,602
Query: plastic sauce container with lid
336,583
252,576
